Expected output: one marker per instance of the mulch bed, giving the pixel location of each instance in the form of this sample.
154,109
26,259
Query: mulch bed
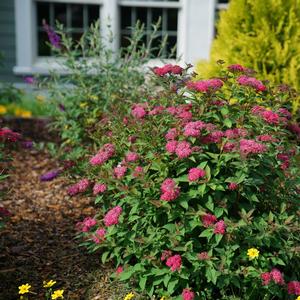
38,242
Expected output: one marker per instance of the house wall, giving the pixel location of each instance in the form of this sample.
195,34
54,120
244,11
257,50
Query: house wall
7,40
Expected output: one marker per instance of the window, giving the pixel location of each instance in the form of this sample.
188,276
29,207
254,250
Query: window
75,17
148,16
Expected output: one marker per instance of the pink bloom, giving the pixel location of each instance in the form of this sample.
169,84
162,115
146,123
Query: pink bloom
185,115
156,110
257,110
220,227
266,138
195,174
235,133
171,134
183,149
293,288
229,147
266,278
131,157
169,190
86,224
203,256
232,186
119,270
187,294
174,262
168,69
103,155
270,117
120,171
99,188
294,128
208,220
193,128
205,86
138,111
171,146
177,69
132,139
165,255
284,112
138,171
79,187
250,146
236,68
277,276
112,216
99,235
251,82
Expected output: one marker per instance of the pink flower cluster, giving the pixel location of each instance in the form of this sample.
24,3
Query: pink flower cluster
156,110
293,288
270,117
203,256
79,187
236,68
120,171
213,137
165,255
235,133
112,216
138,171
275,275
86,224
193,128
99,235
139,111
195,174
99,188
103,155
168,69
171,134
174,262
9,135
250,146
131,157
285,160
170,191
209,220
187,294
266,138
181,111
232,186
205,86
251,82
182,149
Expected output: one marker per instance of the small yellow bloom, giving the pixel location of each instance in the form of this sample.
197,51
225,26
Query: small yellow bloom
40,98
26,114
3,110
253,253
298,298
83,104
233,101
18,112
163,298
57,294
48,284
93,97
129,296
24,288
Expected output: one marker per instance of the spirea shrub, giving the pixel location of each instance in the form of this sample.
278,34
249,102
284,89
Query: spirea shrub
198,190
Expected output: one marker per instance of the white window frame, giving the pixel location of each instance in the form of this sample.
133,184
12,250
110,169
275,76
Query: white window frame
195,30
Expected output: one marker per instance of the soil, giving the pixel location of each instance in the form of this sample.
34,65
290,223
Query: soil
38,242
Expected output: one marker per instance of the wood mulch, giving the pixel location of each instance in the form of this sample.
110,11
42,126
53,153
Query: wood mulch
38,242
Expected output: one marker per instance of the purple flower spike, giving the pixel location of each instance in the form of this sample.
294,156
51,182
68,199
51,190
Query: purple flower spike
50,175
54,38
29,80
27,144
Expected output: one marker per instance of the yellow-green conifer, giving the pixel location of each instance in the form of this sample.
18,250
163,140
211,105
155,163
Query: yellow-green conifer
260,34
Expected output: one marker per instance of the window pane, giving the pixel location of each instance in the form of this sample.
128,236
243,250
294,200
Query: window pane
60,13
125,17
43,48
124,40
77,15
43,10
156,14
141,14
76,36
172,19
172,40
156,44
93,14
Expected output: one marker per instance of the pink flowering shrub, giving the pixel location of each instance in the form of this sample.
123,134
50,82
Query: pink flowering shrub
194,181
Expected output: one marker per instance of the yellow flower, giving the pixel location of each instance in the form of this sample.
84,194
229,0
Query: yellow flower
24,288
18,112
40,98
233,101
57,294
163,298
298,298
252,253
26,114
3,110
129,296
83,104
93,97
48,284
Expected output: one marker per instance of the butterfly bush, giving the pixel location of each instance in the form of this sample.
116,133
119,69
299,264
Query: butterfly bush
189,180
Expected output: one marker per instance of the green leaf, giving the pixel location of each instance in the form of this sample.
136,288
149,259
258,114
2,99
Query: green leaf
142,283
104,257
209,204
228,123
171,286
207,233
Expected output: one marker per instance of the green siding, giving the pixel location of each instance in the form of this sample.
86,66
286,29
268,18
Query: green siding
7,40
